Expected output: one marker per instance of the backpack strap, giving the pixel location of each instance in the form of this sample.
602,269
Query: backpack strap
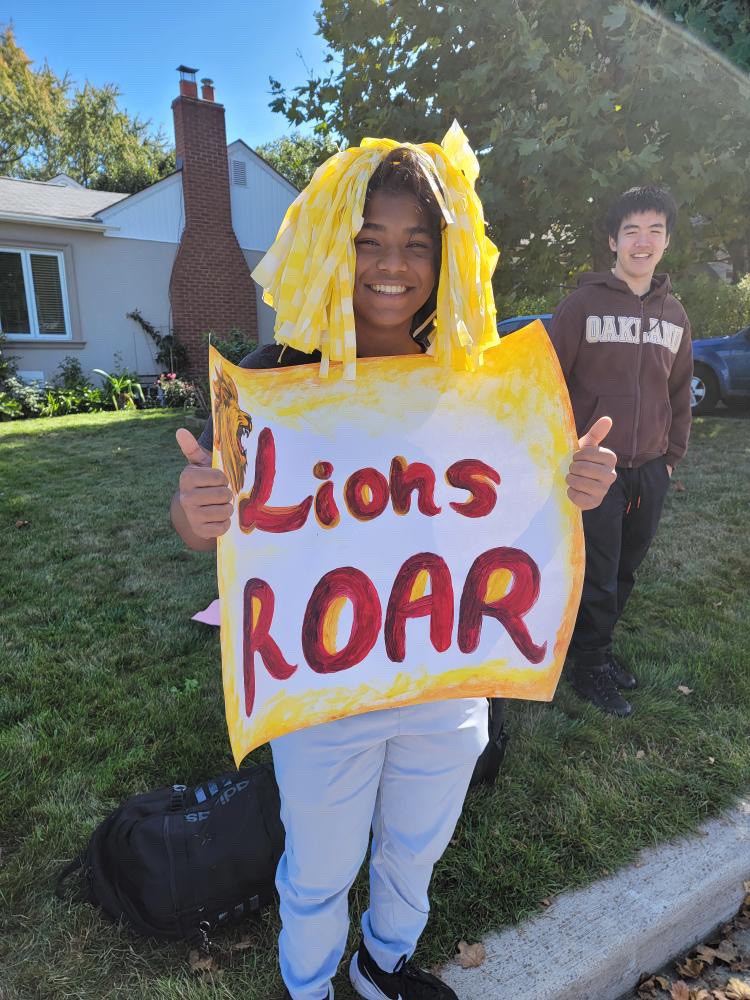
178,797
76,864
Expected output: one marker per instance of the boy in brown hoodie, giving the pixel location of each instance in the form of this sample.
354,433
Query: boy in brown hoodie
625,349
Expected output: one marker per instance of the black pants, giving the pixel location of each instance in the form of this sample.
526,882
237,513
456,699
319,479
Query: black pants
618,535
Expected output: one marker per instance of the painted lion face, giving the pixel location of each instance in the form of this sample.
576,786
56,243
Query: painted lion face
231,424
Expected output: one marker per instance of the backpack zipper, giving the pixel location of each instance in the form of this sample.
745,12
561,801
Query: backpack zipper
170,855
195,935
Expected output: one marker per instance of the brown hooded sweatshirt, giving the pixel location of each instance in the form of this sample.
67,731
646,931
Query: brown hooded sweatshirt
631,359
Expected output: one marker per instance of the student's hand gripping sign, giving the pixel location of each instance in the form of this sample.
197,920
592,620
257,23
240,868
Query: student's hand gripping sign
398,538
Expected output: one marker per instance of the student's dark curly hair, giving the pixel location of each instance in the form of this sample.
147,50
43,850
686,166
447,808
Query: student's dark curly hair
641,199
400,173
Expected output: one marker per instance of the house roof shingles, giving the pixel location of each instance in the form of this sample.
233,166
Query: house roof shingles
56,201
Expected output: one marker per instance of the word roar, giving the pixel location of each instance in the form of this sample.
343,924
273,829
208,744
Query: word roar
408,599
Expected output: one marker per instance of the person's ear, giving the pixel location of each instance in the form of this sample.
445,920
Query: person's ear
613,245
666,242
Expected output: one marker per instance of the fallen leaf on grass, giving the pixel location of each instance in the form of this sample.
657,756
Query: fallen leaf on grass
683,689
22,524
200,962
546,902
711,760
677,484
640,755
691,967
470,956
680,991
737,990
242,945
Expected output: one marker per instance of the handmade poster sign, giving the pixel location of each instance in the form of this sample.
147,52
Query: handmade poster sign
400,538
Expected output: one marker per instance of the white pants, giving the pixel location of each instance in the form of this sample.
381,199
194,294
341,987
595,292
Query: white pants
403,772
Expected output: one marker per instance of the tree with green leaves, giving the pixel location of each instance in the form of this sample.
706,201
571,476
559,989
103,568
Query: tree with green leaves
723,24
47,126
31,102
102,147
298,156
566,102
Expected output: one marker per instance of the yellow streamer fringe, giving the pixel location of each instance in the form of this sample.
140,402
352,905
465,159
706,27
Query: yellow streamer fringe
307,276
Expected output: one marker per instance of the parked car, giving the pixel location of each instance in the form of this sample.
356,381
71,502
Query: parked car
507,326
721,371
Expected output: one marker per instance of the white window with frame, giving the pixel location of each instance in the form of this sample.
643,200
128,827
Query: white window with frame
33,300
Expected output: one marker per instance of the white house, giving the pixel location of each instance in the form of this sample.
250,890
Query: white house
74,262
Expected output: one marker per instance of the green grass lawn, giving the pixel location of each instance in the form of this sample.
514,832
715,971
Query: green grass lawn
107,689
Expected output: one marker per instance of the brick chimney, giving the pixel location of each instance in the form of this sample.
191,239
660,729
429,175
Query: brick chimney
210,287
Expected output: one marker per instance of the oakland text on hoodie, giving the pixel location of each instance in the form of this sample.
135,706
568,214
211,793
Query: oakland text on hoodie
631,359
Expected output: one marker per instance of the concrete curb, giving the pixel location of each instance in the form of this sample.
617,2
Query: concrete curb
595,943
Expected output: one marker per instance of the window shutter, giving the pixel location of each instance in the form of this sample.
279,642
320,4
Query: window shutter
48,294
239,173
14,313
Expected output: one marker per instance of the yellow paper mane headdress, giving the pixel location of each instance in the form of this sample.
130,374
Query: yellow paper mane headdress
307,276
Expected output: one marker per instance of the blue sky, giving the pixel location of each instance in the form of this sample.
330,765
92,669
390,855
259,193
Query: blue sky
137,46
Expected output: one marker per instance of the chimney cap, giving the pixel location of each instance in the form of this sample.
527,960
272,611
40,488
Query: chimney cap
185,70
207,81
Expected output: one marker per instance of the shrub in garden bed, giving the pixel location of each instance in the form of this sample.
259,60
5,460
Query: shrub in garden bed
70,392
175,391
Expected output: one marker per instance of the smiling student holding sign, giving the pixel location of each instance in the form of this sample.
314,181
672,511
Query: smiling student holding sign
395,532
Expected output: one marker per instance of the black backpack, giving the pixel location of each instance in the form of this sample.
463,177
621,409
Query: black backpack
178,862
488,765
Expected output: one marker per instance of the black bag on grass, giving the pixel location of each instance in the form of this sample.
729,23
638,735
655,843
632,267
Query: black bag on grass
178,862
488,765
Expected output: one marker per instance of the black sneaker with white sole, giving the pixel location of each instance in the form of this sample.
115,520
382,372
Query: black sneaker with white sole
406,982
595,684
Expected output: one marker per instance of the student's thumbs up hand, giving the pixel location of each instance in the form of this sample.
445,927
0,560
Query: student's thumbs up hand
193,452
592,470
204,492
593,436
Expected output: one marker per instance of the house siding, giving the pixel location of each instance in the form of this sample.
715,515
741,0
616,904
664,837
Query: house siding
105,279
266,315
156,214
258,207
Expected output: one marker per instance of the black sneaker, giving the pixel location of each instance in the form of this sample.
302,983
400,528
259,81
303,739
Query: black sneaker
406,982
621,675
595,684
